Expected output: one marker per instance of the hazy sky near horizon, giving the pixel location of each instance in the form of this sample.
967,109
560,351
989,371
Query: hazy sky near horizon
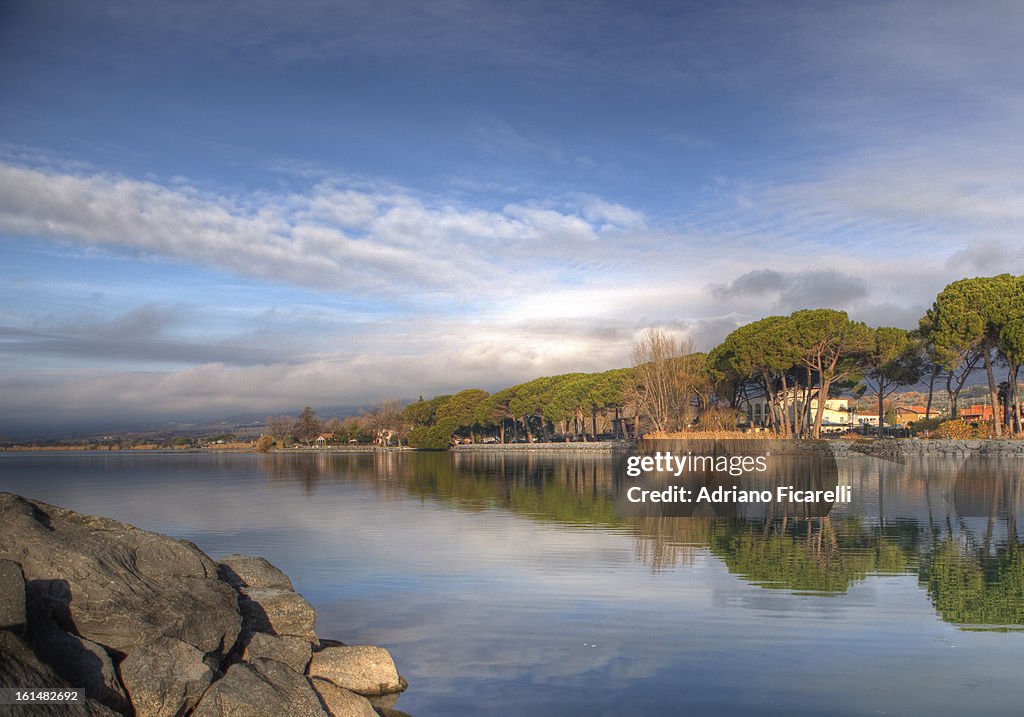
212,208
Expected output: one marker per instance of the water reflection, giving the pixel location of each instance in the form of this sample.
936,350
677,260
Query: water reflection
952,523
510,584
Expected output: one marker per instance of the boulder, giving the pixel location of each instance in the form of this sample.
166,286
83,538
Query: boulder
115,584
278,612
251,571
12,596
19,667
292,651
364,669
258,688
341,702
166,678
81,663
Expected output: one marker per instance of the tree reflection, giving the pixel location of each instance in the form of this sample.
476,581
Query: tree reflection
954,524
968,589
812,554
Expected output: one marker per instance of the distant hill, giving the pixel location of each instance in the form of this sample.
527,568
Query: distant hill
239,424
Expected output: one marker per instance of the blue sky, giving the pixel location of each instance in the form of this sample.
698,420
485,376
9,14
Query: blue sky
216,208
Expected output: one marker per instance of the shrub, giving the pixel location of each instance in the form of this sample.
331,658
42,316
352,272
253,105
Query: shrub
433,437
983,430
717,418
953,429
919,427
265,443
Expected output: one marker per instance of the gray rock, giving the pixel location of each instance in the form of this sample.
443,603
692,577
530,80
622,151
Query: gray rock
259,688
166,678
388,712
341,702
364,669
384,701
81,663
19,667
252,571
12,596
114,584
278,612
292,651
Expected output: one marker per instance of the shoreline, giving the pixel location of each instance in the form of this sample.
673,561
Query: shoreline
840,447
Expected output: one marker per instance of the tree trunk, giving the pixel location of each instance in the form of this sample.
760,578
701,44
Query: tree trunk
1015,390
772,410
818,416
825,382
968,363
993,394
1011,413
805,408
881,406
787,421
954,395
931,391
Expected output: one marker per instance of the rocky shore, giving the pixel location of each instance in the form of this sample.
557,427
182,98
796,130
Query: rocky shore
940,447
152,626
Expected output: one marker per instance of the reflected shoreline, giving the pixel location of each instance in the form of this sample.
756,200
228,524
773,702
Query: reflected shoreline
951,522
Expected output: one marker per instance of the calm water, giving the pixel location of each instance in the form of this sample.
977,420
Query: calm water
509,585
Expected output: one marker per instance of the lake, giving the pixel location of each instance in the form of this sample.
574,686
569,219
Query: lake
512,584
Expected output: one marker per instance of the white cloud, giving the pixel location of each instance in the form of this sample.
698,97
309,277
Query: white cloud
598,211
331,238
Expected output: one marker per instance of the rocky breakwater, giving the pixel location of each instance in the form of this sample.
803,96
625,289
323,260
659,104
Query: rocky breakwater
943,448
148,625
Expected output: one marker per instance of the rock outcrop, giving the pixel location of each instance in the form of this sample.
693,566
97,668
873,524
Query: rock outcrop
341,701
363,669
292,651
148,625
12,596
265,684
166,678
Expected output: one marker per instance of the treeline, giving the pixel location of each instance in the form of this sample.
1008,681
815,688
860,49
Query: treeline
572,404
791,362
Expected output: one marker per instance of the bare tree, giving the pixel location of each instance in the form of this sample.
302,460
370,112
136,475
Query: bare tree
386,422
280,427
667,375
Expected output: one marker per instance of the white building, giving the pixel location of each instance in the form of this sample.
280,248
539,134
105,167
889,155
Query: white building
837,414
